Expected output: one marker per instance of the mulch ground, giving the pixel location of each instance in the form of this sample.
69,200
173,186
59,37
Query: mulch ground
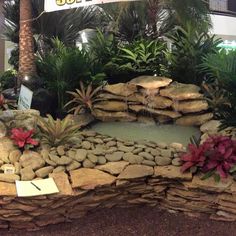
138,221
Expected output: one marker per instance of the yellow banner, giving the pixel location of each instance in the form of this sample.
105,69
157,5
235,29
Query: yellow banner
57,5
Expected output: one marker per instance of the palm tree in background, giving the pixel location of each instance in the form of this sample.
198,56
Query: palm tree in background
27,65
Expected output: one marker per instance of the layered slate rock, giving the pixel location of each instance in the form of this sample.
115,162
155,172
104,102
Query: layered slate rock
86,178
191,120
121,89
135,171
151,82
165,101
190,106
178,91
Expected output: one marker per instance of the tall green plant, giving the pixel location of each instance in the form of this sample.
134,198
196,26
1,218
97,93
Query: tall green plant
188,49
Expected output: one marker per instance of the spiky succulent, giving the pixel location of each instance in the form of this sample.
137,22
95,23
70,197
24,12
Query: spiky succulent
57,132
84,98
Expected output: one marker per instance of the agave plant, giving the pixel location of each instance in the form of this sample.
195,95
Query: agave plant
84,98
57,132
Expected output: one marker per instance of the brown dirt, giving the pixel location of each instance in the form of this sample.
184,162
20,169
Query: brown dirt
138,221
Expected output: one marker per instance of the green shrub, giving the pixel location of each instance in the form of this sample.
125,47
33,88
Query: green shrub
7,79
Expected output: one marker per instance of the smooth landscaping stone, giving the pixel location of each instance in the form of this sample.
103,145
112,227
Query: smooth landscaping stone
155,152
86,145
88,179
111,150
97,151
61,150
44,172
113,168
32,159
93,158
162,145
8,189
17,168
4,154
146,155
101,160
211,127
133,159
63,160
166,153
135,171
27,173
190,106
71,154
171,172
59,169
111,143
177,146
88,164
121,89
137,150
176,162
125,148
162,161
14,156
116,156
149,163
73,165
80,155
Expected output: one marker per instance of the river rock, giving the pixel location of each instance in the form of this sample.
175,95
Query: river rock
146,155
92,158
73,166
101,160
210,127
61,150
86,145
59,169
125,148
151,82
71,154
166,153
179,91
190,106
149,163
135,171
176,162
27,173
4,154
17,168
10,178
120,89
80,155
32,159
159,102
63,160
133,159
111,144
111,105
116,156
14,156
44,172
113,168
163,161
192,120
146,120
88,164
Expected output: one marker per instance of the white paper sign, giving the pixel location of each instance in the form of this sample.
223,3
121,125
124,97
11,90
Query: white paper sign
57,5
36,187
25,98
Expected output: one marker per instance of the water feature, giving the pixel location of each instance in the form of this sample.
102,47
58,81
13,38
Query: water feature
138,131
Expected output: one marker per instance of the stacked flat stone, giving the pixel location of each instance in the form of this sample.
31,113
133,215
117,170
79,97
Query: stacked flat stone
159,97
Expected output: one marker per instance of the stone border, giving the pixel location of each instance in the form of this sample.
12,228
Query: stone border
87,189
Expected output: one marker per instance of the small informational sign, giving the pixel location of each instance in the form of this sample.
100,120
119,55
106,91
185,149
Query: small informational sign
36,187
57,5
25,98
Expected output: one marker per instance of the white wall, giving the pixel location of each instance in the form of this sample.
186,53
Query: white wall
223,25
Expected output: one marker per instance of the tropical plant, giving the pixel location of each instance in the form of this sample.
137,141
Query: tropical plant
141,57
24,138
57,132
189,47
215,157
63,67
7,79
222,67
84,98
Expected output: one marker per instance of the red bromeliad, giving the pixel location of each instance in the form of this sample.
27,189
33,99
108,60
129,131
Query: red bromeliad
217,155
23,138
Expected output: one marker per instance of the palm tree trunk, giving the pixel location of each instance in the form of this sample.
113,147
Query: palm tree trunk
27,65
